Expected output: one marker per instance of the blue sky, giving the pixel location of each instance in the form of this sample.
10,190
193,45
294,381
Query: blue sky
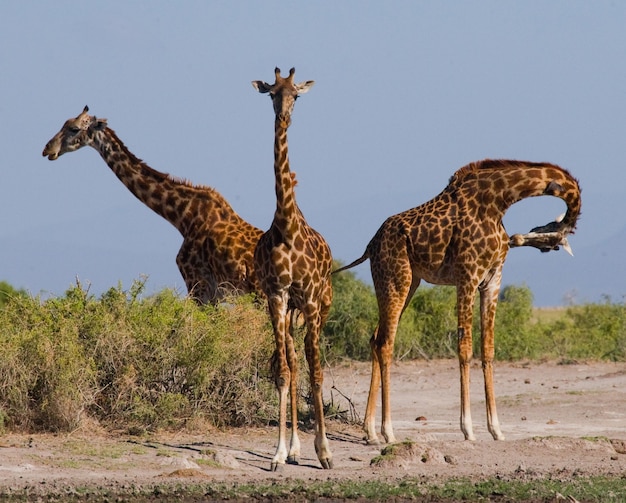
406,92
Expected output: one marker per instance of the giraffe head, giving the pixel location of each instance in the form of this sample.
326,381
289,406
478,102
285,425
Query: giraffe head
283,94
74,134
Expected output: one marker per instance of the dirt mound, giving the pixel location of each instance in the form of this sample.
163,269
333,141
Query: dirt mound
407,455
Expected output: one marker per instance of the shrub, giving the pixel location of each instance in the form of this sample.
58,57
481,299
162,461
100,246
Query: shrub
428,326
138,362
515,338
121,359
590,331
352,318
46,380
8,292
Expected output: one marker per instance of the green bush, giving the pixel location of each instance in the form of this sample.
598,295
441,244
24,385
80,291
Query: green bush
46,379
515,337
125,360
590,331
352,318
428,326
153,362
8,292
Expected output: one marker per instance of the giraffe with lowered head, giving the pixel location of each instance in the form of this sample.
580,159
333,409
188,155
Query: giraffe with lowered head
293,264
458,239
216,256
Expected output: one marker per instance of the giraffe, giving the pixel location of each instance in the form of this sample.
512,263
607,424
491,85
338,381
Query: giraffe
216,256
293,264
458,239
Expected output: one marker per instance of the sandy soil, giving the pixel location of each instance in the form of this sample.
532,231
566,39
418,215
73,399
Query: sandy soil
559,421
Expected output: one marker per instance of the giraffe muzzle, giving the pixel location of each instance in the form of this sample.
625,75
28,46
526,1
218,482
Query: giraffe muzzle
50,154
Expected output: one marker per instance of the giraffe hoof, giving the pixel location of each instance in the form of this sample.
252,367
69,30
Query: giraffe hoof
293,460
327,464
277,467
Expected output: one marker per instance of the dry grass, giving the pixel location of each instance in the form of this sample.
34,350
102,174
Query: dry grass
133,362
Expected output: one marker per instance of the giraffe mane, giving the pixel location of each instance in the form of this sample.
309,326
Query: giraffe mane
488,164
158,174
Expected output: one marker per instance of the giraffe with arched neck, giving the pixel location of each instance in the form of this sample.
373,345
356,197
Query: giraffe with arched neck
216,256
458,238
293,264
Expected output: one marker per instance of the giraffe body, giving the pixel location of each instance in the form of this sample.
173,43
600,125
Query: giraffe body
216,256
457,239
293,264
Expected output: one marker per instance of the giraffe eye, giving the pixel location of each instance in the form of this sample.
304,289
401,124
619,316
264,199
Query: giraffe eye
74,129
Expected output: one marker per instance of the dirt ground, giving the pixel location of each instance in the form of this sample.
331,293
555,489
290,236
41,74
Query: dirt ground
559,421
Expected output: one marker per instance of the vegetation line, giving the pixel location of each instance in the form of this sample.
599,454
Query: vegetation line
137,363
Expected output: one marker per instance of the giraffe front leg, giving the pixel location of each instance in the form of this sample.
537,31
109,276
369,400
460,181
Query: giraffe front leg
280,457
466,414
316,378
464,307
493,424
202,289
282,378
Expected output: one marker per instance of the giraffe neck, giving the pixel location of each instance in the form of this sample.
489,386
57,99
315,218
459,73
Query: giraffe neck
287,211
163,194
494,186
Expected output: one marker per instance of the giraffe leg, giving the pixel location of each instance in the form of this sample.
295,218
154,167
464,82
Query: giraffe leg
199,288
282,377
391,304
316,377
369,423
488,302
292,360
386,356
465,296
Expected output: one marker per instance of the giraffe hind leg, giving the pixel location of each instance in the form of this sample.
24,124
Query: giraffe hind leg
488,303
369,423
391,307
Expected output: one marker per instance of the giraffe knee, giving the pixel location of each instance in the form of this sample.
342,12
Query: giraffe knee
464,344
280,370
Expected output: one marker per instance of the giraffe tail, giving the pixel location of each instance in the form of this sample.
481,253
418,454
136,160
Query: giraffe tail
358,261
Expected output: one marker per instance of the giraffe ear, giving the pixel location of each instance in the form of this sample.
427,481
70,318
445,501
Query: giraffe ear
553,189
99,124
262,87
304,87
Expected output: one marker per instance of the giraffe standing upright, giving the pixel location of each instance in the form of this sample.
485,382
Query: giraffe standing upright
216,257
458,239
293,264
